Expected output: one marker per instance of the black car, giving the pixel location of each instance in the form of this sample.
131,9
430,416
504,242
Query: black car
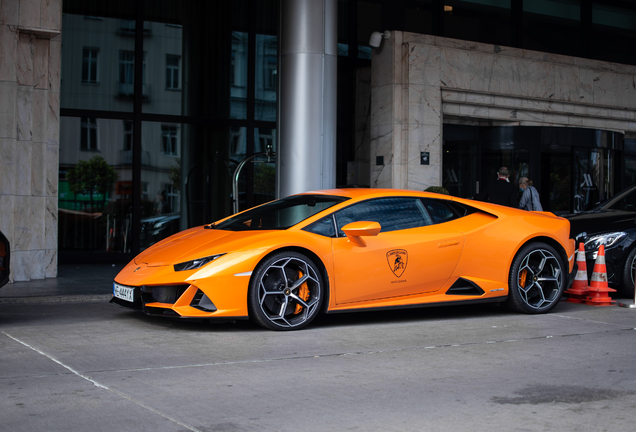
611,223
5,254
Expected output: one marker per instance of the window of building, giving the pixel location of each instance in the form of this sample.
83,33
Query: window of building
127,25
170,139
238,71
89,65
88,134
128,135
172,72
266,139
270,79
481,21
126,73
172,196
553,26
613,33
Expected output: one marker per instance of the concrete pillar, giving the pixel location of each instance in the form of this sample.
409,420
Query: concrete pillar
307,115
30,53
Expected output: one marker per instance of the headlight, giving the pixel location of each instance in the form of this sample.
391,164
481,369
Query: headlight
608,240
196,263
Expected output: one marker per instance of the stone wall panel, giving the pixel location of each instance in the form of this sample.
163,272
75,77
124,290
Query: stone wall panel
481,84
8,51
7,166
29,13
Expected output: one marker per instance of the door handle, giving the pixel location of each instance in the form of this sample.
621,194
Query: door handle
447,243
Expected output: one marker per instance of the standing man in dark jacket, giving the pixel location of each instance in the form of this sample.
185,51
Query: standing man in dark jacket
501,191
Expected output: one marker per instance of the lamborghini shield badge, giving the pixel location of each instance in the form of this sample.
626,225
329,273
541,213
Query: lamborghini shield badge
397,259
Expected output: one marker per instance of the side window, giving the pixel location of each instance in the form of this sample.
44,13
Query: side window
628,203
441,211
391,213
323,227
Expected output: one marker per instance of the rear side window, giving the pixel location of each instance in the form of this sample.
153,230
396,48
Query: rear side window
441,211
627,203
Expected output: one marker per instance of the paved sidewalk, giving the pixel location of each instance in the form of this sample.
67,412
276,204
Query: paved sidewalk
75,282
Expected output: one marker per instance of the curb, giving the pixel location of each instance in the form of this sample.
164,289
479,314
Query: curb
57,299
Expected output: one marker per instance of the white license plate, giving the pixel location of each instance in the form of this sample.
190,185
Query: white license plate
123,292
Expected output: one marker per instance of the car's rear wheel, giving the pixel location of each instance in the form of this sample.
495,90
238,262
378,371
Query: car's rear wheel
286,291
537,279
627,284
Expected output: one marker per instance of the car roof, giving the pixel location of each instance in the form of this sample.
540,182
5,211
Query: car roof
374,192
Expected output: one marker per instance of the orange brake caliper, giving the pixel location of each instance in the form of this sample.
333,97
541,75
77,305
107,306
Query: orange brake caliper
522,278
303,293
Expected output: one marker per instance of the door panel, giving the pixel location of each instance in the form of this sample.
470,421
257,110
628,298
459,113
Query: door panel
395,263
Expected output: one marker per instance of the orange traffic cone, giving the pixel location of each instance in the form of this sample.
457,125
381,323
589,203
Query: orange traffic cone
579,289
598,289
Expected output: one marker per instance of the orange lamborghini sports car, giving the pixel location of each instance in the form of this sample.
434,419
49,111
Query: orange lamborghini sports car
282,263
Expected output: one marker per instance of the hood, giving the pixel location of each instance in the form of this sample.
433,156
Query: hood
196,243
601,221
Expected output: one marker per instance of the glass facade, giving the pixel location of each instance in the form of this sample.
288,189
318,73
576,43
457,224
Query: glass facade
484,21
173,95
573,169
166,98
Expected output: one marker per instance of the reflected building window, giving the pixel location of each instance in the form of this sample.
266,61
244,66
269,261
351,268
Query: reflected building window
89,65
172,196
128,135
172,72
126,73
239,59
270,80
266,139
88,134
170,139
127,26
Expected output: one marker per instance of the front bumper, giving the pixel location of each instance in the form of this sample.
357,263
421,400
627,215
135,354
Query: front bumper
175,301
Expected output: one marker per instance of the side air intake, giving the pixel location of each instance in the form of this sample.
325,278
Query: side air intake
464,287
202,302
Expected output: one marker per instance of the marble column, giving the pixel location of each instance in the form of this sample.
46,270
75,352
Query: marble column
30,55
406,115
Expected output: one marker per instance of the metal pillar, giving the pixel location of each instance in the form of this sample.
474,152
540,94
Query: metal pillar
306,153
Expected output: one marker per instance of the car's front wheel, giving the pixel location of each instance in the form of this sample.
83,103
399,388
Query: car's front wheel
286,291
537,279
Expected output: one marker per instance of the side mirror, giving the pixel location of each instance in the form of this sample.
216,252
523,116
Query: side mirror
361,228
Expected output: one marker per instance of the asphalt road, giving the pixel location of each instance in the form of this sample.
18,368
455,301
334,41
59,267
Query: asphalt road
93,366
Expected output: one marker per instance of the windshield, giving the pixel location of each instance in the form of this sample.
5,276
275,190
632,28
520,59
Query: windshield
280,214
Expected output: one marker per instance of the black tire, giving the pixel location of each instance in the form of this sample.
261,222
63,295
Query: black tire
537,279
627,283
285,292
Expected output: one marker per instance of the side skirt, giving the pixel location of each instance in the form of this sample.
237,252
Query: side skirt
423,305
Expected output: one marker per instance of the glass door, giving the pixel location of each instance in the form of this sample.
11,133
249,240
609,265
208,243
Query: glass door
461,168
593,180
